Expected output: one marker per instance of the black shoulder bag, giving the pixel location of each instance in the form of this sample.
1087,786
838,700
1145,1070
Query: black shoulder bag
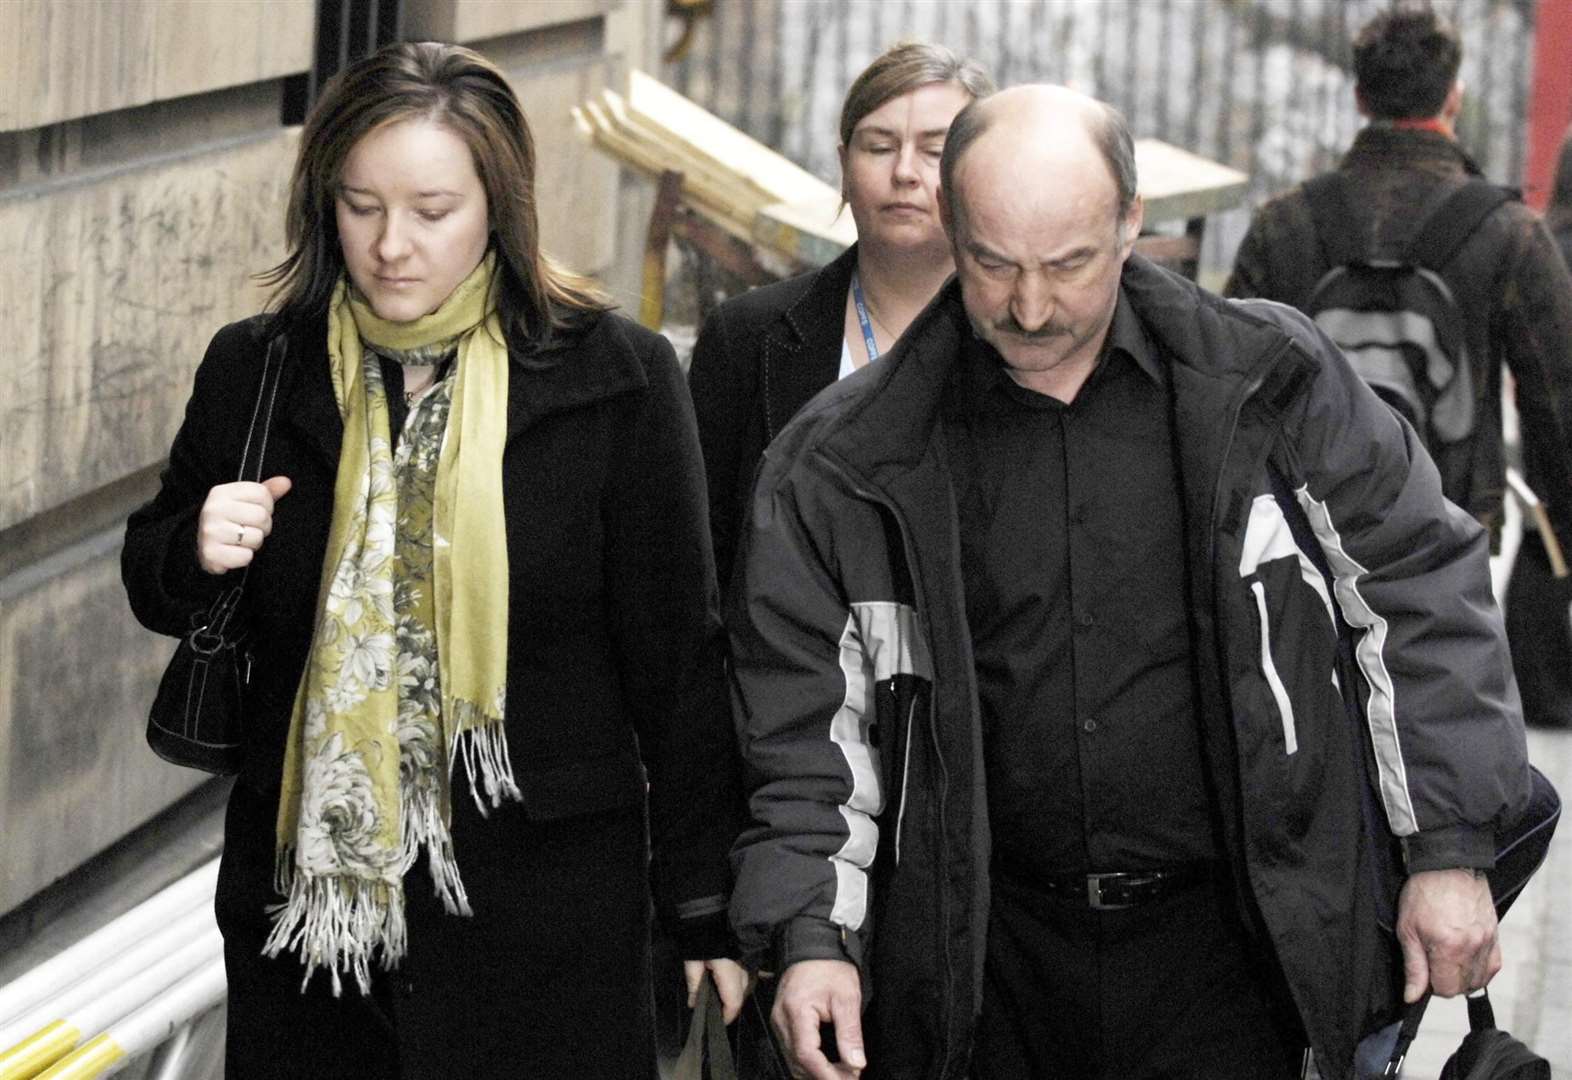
196,716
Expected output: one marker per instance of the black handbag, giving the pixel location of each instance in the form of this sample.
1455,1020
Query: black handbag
1489,1053
196,716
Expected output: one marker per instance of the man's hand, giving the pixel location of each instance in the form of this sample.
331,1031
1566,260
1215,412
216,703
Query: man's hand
731,983
1446,924
813,992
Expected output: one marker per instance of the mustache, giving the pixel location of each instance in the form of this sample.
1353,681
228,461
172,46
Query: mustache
1008,325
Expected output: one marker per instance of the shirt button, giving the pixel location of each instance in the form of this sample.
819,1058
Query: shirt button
1084,619
1089,725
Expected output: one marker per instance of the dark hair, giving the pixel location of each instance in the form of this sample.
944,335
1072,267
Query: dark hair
466,94
902,68
1405,62
1558,212
1106,125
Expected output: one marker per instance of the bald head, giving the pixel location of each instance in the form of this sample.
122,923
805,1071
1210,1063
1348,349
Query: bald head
1036,130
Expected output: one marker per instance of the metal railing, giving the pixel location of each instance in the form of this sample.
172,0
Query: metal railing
132,987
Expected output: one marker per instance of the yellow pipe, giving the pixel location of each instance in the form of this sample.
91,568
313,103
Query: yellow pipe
38,1051
92,1060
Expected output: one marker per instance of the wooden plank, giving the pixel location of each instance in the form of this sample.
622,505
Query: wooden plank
720,182
729,178
708,136
645,159
1177,185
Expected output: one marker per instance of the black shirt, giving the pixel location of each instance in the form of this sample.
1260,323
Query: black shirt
1073,564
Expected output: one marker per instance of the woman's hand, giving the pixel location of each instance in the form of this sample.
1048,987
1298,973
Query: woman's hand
732,982
234,520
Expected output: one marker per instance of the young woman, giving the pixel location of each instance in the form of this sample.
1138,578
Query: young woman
762,355
483,614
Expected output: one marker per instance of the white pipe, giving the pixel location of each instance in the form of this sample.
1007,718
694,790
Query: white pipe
192,925
61,1034
35,985
146,986
144,1029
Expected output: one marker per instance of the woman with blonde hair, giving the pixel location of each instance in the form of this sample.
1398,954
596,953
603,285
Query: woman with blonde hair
762,355
482,613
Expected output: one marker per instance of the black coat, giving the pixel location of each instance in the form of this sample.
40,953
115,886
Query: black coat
613,679
759,358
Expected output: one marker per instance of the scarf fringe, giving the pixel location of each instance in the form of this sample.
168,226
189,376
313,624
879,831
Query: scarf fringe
336,923
481,742
423,825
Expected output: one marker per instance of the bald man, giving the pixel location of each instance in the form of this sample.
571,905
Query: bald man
1110,669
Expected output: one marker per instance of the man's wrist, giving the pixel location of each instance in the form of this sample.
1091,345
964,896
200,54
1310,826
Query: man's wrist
1457,848
815,939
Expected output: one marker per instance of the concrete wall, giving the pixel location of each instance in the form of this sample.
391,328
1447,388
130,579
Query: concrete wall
143,172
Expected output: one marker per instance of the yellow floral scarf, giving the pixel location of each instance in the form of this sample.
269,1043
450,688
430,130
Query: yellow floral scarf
408,662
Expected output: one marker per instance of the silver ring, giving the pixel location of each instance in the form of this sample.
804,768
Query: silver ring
240,541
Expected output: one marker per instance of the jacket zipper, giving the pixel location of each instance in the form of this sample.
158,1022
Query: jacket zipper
906,774
863,491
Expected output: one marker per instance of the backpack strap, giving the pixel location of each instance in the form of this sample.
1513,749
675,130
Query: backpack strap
1450,224
1330,214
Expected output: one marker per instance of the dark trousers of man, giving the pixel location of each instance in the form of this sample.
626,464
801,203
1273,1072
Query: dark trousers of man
1169,988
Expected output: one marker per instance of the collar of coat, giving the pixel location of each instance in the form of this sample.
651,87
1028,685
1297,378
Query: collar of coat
587,365
802,353
1384,147
880,418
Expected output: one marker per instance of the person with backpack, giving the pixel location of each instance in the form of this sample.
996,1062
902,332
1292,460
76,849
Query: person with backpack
1427,275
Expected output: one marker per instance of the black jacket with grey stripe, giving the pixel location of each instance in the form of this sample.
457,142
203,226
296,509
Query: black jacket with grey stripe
857,698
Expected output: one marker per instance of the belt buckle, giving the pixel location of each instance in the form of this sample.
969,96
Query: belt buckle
1094,894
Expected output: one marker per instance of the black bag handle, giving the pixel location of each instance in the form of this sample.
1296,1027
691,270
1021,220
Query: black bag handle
216,621
707,1053
262,410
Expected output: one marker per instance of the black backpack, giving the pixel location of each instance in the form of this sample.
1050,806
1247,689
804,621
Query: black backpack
1394,315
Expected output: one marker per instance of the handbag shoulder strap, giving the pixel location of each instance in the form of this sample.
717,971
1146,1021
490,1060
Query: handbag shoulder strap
262,410
252,454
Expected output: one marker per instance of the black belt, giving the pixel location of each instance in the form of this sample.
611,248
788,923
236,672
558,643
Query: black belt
1117,891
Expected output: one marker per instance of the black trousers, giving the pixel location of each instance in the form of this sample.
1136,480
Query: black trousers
1170,989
